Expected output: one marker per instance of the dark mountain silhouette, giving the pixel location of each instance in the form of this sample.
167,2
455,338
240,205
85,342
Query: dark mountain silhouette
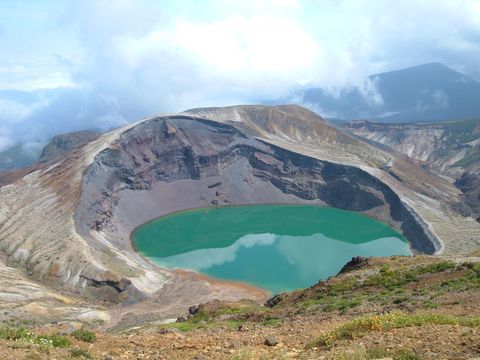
429,92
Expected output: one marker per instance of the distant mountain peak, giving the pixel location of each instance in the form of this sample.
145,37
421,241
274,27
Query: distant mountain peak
423,93
428,69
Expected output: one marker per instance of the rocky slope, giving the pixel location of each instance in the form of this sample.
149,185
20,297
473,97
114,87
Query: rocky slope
421,308
63,143
65,224
449,148
469,184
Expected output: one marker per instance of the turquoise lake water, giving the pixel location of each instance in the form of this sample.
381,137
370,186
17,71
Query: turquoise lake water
275,247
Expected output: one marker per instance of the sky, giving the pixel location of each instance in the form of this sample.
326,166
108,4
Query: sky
97,64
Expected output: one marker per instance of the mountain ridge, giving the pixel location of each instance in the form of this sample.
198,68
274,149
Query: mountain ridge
427,92
83,206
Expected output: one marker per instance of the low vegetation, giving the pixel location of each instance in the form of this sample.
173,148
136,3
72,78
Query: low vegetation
378,353
190,325
80,354
401,308
231,316
360,326
25,336
416,286
84,335
398,286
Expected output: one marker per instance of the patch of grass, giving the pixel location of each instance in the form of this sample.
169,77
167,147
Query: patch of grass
435,267
334,302
392,279
403,354
470,280
244,354
22,335
363,325
79,353
377,353
9,333
186,326
389,286
230,310
55,340
346,285
84,335
32,356
401,299
342,305
430,305
272,322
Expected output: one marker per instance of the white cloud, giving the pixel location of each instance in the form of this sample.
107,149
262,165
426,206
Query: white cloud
128,59
6,140
368,89
440,98
15,69
237,53
13,112
204,259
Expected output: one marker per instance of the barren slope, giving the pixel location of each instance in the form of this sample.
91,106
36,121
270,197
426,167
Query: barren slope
422,308
448,147
66,223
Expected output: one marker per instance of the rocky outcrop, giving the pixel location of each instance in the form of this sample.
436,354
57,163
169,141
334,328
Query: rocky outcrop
414,140
469,184
355,263
60,144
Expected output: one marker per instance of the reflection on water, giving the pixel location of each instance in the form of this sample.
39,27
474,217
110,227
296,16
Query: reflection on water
280,263
291,255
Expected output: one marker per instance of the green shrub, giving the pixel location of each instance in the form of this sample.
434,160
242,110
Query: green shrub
79,353
84,335
56,340
392,279
25,336
9,333
435,267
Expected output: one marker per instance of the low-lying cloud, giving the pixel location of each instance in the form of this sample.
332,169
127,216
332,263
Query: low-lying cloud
100,64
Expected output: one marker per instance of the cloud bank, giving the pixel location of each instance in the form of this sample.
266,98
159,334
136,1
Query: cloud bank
100,64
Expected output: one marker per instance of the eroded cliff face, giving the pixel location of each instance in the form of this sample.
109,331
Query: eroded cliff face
225,167
448,148
412,140
469,184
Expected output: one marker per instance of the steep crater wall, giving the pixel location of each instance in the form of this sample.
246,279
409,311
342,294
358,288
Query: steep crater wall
174,163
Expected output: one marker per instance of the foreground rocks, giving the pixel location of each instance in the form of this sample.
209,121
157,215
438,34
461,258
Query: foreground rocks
271,341
291,329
